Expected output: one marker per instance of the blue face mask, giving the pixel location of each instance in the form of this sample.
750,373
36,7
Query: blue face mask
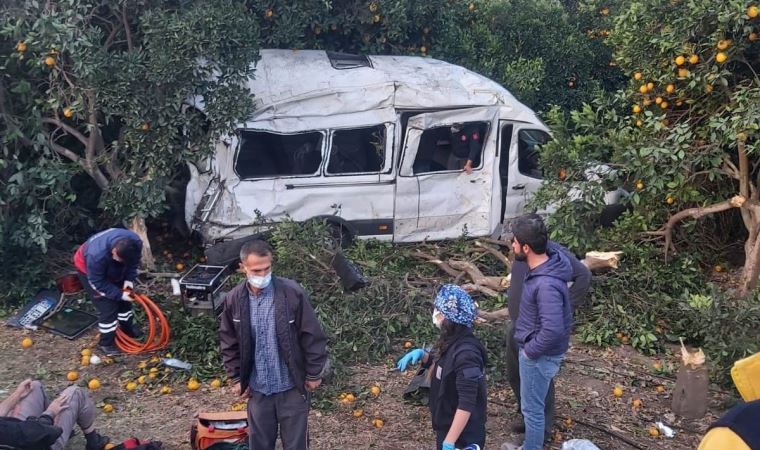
260,282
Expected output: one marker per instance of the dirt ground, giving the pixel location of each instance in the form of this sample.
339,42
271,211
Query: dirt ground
584,389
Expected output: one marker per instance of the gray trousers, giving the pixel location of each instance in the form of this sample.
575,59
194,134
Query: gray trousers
81,410
289,410
513,376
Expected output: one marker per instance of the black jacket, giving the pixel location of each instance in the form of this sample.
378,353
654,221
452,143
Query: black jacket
31,434
461,385
302,343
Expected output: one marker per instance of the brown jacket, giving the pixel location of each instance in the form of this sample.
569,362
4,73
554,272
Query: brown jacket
302,343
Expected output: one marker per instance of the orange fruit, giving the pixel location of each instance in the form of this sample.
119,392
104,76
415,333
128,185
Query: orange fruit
604,11
753,11
636,403
617,391
141,379
86,352
718,268
657,365
152,375
72,376
670,89
562,174
639,123
683,73
269,13
94,384
680,60
375,390
166,390
658,100
639,186
108,408
723,44
650,86
693,59
660,389
664,105
153,370
721,57
216,383
636,109
21,47
109,446
637,76
643,89
68,113
85,360
131,386
350,397
669,200
26,342
753,37
408,344
378,423
180,267
654,432
145,126
193,384
49,61
358,413
471,7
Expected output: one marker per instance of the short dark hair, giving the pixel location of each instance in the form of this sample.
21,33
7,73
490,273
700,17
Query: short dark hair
530,230
128,250
256,247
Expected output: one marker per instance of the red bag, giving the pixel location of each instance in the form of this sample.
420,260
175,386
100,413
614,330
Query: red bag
214,427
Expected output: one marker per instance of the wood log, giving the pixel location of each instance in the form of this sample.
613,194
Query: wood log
598,261
477,277
441,264
496,253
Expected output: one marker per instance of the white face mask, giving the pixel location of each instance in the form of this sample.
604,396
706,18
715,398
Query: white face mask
260,282
437,319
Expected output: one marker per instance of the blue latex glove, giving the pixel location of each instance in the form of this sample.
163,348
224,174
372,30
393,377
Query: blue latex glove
413,357
448,446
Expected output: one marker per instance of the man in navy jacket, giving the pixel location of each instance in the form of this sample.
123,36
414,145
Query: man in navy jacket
542,328
107,265
579,286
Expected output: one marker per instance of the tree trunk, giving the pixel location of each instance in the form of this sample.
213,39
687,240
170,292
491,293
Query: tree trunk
751,268
138,226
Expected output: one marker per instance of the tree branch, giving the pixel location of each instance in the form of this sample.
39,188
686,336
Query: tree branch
128,32
67,128
696,213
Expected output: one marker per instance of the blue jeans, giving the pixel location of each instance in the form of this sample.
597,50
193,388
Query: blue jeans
535,376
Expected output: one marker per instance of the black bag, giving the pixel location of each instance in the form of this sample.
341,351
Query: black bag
418,391
27,434
350,275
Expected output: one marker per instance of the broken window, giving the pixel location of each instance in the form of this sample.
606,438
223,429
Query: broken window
529,152
342,61
266,154
358,150
450,147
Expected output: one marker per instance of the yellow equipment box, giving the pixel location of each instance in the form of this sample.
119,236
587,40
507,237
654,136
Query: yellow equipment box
746,375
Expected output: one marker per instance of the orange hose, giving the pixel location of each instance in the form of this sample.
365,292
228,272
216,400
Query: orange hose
158,330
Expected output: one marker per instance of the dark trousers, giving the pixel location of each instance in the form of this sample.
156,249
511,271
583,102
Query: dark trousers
513,376
111,314
289,410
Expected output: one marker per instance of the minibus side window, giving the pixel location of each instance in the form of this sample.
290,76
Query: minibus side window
264,154
357,150
449,147
529,152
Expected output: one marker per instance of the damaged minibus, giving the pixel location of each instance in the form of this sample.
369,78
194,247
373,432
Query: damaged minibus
396,148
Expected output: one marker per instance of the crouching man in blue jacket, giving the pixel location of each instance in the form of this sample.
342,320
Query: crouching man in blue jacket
543,326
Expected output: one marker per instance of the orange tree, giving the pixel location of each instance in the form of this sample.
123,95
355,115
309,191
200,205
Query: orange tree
683,133
682,136
101,89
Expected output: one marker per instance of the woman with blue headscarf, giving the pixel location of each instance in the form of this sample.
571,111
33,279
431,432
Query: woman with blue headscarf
456,365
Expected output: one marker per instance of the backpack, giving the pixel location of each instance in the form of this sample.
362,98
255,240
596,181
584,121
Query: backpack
218,427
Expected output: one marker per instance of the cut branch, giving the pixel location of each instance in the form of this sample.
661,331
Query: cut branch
496,253
441,265
127,31
696,213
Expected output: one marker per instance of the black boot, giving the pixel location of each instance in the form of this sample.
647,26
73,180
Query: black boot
107,344
96,441
132,331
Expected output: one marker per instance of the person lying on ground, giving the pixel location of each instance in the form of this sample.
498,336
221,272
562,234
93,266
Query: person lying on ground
29,422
